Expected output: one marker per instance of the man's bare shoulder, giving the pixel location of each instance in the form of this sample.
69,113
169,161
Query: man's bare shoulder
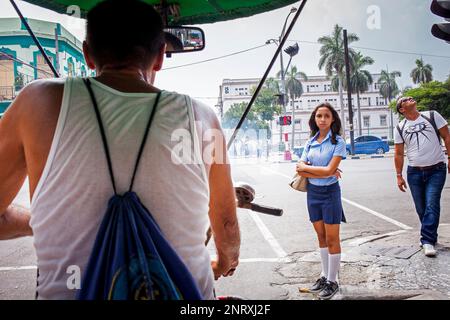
40,97
42,89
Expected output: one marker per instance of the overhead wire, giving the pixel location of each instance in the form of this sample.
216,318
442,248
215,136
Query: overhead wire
308,42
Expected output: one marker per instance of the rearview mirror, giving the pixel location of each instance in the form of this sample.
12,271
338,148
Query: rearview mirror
184,39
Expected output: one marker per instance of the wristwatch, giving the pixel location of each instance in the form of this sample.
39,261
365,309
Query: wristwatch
399,174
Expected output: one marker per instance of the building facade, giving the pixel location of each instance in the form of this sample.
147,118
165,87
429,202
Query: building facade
21,61
375,115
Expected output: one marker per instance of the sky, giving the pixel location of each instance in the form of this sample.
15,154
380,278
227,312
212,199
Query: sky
400,25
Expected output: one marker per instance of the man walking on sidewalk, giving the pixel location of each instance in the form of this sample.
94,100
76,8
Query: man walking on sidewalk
421,133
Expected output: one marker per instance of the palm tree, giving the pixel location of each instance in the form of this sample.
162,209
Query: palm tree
388,84
388,90
333,59
422,73
360,81
294,88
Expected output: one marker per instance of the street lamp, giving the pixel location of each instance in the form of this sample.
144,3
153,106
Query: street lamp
283,84
291,51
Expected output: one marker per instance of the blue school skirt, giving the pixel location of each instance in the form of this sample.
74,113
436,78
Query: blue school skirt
324,203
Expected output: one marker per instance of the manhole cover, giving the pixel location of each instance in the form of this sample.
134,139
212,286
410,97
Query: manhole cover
394,252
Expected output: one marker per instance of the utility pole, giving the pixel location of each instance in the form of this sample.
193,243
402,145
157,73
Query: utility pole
283,91
292,51
283,80
349,94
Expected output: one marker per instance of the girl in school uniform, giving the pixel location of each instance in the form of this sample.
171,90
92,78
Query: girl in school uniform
319,163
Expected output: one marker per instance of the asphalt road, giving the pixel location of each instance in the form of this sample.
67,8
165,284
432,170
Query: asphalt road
372,203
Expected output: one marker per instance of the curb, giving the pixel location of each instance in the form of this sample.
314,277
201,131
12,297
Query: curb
363,157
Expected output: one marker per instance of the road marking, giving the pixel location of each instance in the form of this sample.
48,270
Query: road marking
248,260
377,214
360,241
268,236
18,268
252,260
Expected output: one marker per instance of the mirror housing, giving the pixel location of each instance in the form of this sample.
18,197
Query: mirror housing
181,39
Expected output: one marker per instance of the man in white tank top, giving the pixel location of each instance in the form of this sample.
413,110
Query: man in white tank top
50,135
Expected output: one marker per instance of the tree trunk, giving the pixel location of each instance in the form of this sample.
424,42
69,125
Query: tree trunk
359,114
341,98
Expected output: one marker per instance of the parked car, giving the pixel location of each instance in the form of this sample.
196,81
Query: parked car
369,145
298,151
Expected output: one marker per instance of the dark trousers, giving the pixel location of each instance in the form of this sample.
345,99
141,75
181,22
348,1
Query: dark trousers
426,189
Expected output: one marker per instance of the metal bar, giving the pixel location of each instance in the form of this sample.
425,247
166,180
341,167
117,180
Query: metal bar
261,83
36,41
349,94
10,57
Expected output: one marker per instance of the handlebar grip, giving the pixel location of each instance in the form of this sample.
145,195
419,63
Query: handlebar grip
266,210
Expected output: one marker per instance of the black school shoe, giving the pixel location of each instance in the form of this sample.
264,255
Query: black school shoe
329,290
319,285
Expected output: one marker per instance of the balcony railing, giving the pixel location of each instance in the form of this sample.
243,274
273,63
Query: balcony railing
7,93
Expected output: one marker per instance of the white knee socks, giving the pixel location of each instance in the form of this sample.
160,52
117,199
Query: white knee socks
334,263
324,257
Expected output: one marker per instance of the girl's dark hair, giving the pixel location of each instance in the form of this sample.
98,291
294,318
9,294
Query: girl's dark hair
123,32
336,126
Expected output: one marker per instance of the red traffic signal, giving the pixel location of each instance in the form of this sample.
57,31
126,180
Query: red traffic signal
285,120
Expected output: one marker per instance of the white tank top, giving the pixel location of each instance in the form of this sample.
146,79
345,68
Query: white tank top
73,191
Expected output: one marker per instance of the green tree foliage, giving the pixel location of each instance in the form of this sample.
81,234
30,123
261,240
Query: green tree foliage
433,95
233,115
263,111
266,105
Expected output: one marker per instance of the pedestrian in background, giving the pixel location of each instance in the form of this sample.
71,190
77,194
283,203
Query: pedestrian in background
319,163
421,133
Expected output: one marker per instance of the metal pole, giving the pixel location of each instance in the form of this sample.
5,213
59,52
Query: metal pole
56,48
261,83
292,114
349,93
283,79
36,41
283,92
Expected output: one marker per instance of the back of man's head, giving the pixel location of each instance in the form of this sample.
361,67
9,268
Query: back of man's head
122,32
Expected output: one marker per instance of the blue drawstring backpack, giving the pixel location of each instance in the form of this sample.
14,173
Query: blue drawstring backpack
131,259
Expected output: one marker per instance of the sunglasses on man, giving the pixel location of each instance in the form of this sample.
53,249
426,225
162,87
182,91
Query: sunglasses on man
401,101
405,100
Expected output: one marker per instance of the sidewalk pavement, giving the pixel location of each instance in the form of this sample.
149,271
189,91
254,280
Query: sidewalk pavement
380,267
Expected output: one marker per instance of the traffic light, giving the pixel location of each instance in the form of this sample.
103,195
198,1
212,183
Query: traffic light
442,9
285,120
